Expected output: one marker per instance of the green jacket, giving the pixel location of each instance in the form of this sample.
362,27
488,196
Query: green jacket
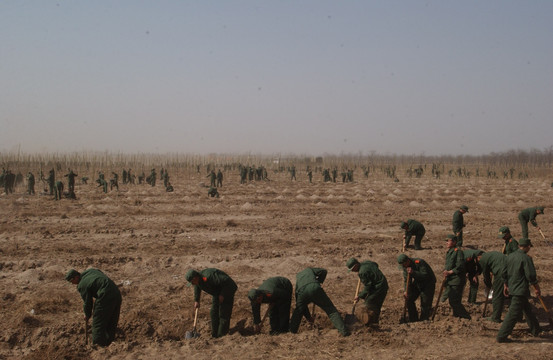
373,279
529,215
457,222
414,228
511,246
309,276
492,263
519,273
214,282
422,273
94,284
472,266
455,260
275,290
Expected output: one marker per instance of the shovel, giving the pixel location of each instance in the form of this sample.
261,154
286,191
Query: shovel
544,239
547,311
350,318
194,333
438,300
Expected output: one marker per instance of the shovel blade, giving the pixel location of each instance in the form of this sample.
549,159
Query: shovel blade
191,335
350,319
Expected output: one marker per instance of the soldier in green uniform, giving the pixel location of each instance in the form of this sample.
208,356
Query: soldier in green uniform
473,269
219,178
422,283
58,190
458,223
413,227
455,277
511,245
153,177
30,183
94,284
212,192
71,180
375,288
518,274
222,288
493,263
212,178
309,290
102,181
529,216
51,181
277,292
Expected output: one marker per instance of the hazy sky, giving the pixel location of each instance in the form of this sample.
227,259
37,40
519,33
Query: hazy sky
306,77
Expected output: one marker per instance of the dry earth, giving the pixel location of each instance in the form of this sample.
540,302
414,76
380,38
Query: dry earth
145,239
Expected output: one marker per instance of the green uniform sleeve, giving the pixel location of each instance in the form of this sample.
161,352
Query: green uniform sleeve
88,302
256,308
530,271
197,293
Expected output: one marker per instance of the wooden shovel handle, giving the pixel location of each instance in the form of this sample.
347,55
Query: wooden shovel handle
438,300
357,290
195,317
266,314
546,310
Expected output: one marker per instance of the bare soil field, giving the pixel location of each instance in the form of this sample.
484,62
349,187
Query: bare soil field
145,239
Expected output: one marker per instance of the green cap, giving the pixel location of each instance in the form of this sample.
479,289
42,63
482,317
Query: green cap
541,209
254,294
452,237
464,207
351,263
71,274
402,258
403,225
525,242
502,231
191,274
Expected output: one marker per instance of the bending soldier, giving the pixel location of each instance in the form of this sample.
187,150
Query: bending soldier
529,216
277,292
375,288
94,284
309,290
422,283
413,227
222,288
493,263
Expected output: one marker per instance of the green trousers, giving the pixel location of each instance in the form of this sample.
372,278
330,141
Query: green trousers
473,290
455,294
279,317
105,318
426,294
374,303
220,314
519,305
313,293
498,299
